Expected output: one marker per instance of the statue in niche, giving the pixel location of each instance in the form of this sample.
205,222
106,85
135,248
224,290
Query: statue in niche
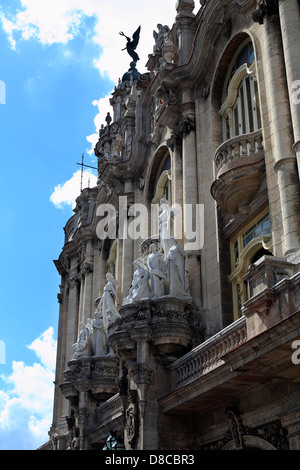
165,226
155,263
140,285
83,347
178,273
107,302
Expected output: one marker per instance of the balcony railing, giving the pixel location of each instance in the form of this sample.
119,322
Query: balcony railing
208,355
110,411
237,148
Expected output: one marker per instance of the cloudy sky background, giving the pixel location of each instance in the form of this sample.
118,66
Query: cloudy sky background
60,61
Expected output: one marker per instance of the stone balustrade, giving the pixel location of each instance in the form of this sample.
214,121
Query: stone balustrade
110,411
208,355
238,148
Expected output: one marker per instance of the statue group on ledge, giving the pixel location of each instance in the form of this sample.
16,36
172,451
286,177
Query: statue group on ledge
93,337
164,273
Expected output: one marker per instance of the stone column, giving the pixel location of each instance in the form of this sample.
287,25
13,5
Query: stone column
148,408
190,188
71,321
73,304
88,284
185,21
60,361
83,415
289,13
128,243
282,140
177,188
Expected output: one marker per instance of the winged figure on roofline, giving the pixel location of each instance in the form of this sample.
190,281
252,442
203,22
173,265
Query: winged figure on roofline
132,44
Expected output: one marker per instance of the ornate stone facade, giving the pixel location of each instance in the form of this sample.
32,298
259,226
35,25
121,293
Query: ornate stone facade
175,345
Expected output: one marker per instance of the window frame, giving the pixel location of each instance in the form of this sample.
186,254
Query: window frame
240,264
240,100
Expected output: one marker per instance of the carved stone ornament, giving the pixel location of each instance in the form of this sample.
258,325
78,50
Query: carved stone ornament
264,8
144,374
132,420
273,433
182,130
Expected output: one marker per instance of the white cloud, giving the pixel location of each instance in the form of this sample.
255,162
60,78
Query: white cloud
26,406
67,193
44,346
60,21
103,107
55,21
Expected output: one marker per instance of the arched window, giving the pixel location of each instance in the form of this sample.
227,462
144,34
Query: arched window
251,243
163,184
240,109
112,258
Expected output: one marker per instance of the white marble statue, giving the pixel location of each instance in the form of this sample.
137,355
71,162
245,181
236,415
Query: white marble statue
155,263
99,337
108,302
165,226
83,347
178,273
140,285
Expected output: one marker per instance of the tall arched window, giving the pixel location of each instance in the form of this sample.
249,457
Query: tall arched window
240,109
248,245
163,183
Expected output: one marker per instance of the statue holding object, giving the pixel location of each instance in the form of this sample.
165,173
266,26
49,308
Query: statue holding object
132,44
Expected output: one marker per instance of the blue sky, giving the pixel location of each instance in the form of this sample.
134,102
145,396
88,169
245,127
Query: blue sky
59,62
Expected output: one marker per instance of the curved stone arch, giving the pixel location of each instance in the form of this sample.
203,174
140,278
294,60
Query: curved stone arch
160,186
249,251
154,173
112,257
221,71
251,443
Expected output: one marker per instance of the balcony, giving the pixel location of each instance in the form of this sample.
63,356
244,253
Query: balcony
208,355
240,169
95,374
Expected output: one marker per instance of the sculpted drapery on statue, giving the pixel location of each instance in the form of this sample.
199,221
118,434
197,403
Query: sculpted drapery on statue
165,273
93,337
165,226
108,302
140,285
156,268
83,347
178,273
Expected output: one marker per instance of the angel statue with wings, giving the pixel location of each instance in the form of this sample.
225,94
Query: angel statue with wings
132,44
